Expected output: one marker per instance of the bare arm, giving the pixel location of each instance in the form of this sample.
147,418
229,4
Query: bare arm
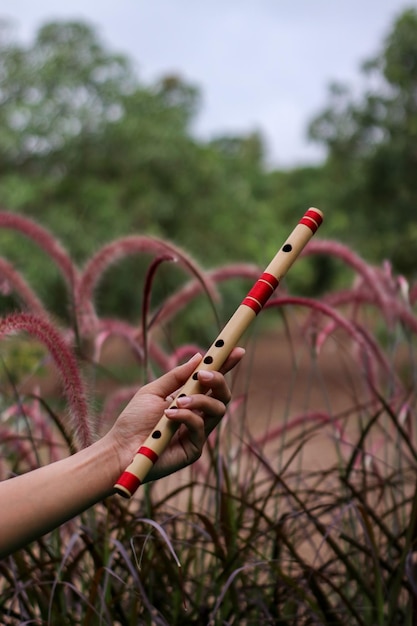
37,502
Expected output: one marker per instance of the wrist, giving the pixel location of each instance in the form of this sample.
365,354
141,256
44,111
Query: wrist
120,452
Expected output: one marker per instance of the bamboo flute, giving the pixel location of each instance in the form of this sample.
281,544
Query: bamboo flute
149,452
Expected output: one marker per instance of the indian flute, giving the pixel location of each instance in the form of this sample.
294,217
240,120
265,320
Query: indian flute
148,453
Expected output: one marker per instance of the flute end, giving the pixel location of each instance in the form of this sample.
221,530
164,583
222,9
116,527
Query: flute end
313,208
121,491
126,485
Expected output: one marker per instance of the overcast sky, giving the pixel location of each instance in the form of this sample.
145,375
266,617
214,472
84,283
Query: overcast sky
260,64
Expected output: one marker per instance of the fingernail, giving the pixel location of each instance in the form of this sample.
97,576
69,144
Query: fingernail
194,357
183,401
171,412
205,375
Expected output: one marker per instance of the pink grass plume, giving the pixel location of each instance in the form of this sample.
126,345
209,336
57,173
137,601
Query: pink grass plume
11,281
112,253
44,240
65,362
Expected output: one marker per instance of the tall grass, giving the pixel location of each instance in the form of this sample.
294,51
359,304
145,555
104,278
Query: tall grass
303,508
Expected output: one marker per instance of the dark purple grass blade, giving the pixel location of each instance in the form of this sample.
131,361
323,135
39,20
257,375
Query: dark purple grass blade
147,292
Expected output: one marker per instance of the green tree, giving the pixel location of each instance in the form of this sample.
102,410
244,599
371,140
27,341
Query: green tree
372,151
94,154
63,85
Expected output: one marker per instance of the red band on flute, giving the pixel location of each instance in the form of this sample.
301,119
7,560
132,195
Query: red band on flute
312,219
129,481
261,292
149,453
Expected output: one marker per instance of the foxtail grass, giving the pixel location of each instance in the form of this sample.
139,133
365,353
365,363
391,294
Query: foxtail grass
302,509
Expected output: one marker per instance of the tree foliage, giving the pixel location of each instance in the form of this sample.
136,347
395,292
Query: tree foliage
372,147
93,153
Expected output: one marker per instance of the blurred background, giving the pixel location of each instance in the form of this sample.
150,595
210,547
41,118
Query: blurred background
213,125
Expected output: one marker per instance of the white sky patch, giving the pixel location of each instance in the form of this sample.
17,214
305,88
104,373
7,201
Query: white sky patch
260,66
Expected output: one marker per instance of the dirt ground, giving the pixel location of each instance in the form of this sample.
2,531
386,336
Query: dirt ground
283,379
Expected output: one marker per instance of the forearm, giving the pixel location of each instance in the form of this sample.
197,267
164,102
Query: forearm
34,503
37,502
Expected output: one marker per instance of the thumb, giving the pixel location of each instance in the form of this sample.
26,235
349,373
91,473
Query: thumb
171,381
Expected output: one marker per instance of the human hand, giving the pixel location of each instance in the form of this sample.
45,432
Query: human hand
197,415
